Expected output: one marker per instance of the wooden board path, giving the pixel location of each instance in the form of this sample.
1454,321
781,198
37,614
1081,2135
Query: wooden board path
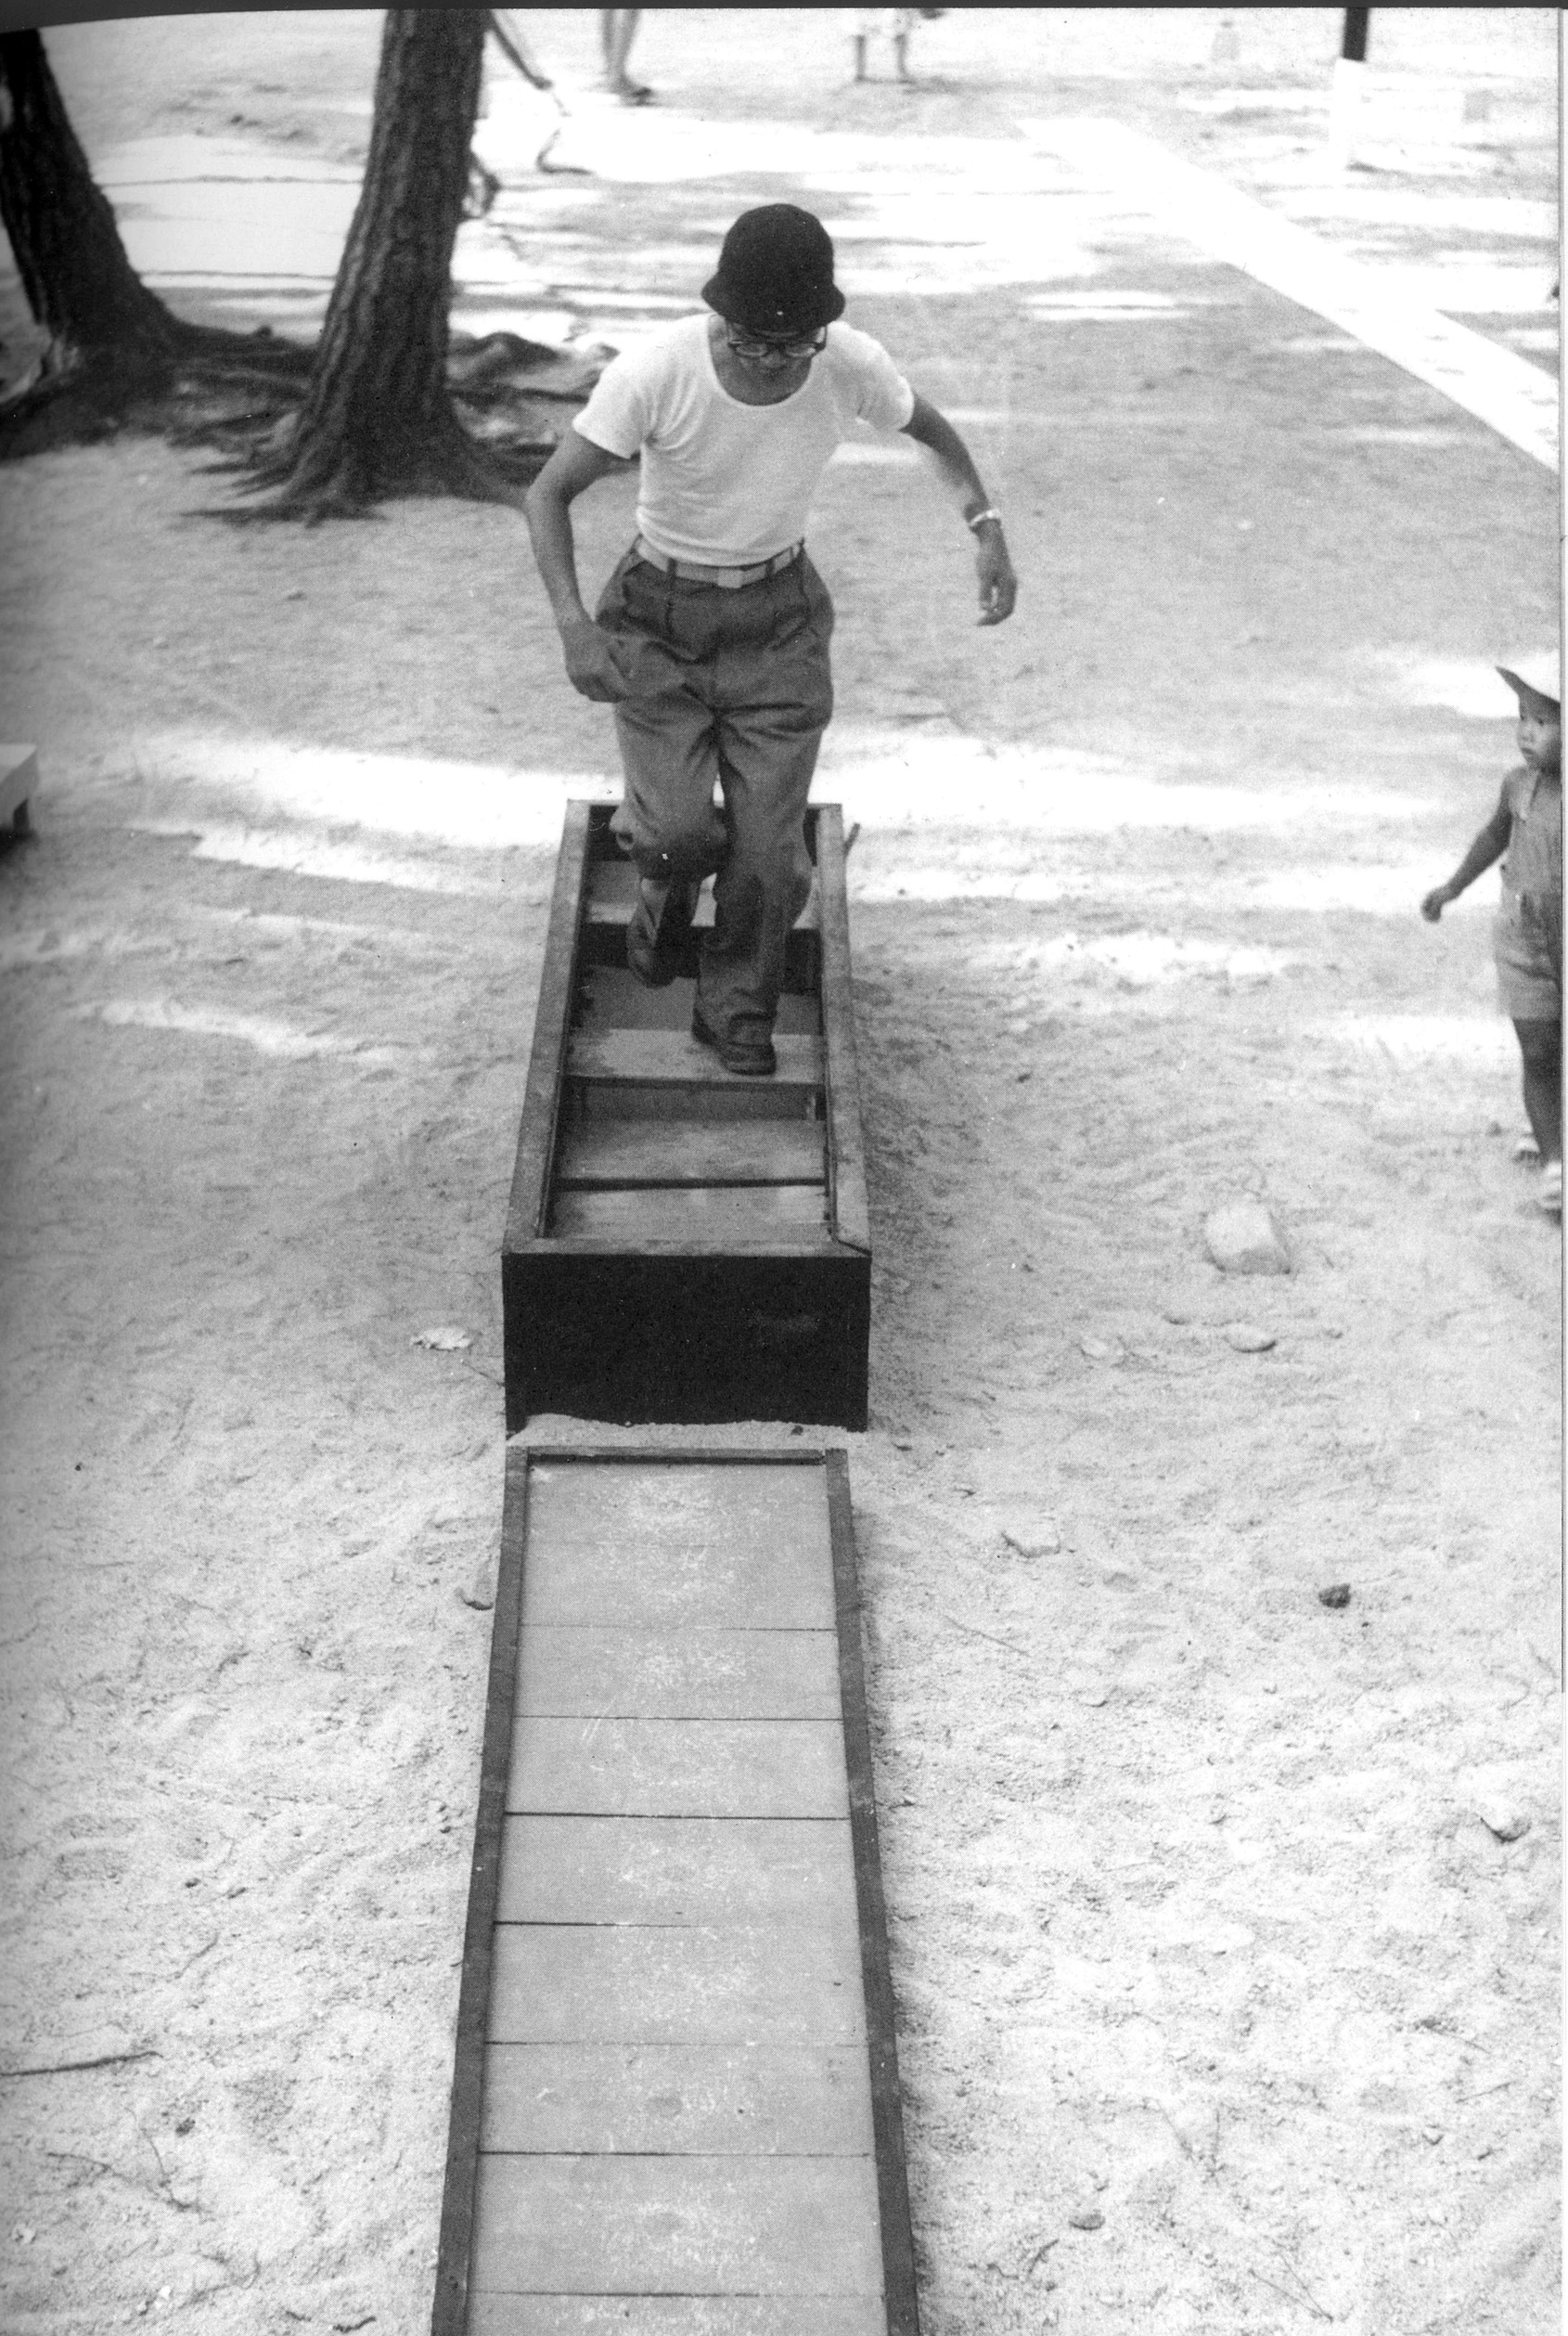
683,1243
675,2107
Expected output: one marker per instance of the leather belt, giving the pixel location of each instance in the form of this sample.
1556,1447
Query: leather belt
728,579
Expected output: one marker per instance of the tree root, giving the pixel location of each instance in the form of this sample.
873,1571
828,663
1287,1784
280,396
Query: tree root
241,395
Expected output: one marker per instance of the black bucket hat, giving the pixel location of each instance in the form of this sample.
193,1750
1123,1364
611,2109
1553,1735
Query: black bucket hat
775,273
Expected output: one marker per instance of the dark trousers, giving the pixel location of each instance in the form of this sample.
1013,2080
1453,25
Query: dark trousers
732,689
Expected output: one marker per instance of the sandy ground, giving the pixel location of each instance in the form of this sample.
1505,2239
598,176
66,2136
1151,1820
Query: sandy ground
1231,1915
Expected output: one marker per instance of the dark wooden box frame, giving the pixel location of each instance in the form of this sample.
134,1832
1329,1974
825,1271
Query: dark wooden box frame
450,2310
648,1330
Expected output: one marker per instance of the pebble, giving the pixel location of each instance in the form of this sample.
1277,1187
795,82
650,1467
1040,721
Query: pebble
1033,1541
445,1338
1086,2217
481,1592
1102,1350
1248,1339
1502,1819
1337,1593
1243,1238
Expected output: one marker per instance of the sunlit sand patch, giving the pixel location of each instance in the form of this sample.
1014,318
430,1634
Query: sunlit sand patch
261,925
295,855
1425,1038
267,1036
1392,889
47,946
1403,313
1463,685
480,807
897,780
1108,308
871,452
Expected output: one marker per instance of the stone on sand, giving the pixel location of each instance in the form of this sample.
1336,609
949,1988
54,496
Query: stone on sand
1243,1238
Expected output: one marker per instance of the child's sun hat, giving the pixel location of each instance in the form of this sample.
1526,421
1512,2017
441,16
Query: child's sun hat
1536,682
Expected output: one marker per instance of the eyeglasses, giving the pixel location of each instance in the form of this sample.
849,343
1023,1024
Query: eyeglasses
745,345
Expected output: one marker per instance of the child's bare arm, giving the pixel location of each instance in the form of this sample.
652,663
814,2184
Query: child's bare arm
1491,843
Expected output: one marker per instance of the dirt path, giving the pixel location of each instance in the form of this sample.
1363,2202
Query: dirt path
1219,1914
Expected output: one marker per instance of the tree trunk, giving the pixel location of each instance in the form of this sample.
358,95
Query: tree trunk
378,417
109,335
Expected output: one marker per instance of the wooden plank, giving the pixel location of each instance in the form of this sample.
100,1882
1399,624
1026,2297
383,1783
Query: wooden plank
559,1983
552,1016
613,892
672,1058
690,1674
715,1215
454,2254
611,998
749,2099
691,1870
677,2225
676,2316
677,1768
631,1542
850,1213
19,781
620,1152
887,2110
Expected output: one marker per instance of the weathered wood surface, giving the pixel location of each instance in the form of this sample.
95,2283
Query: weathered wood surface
622,1155
797,2099
19,782
674,1058
726,1217
679,2131
671,1674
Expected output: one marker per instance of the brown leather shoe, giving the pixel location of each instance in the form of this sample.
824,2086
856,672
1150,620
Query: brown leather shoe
656,935
750,1058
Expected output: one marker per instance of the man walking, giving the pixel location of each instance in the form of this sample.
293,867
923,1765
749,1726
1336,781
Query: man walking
711,640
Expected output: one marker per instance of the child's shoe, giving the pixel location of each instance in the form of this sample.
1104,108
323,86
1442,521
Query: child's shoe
1549,1197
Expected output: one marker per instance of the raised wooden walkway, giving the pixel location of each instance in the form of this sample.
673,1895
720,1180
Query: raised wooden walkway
676,2109
683,1243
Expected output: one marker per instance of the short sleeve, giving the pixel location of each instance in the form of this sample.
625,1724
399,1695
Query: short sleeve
885,398
869,385
617,414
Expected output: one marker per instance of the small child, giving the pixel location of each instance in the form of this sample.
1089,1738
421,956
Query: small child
1527,825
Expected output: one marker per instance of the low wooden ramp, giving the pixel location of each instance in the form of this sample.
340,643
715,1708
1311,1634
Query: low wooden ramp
676,2107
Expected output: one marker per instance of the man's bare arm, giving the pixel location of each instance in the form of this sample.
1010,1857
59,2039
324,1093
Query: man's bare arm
575,464
998,585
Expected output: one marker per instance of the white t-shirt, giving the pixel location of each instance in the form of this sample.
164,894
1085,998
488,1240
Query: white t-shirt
724,483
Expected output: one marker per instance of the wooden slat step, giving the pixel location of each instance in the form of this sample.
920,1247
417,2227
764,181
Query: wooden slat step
600,2315
658,2226
621,1153
692,1675
559,1983
799,2100
676,1768
783,1870
611,998
672,1058
613,892
731,1214
679,1545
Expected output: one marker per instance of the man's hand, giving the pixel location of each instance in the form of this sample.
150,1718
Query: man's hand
998,585
1436,901
591,664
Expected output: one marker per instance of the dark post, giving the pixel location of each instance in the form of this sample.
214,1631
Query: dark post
1353,45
